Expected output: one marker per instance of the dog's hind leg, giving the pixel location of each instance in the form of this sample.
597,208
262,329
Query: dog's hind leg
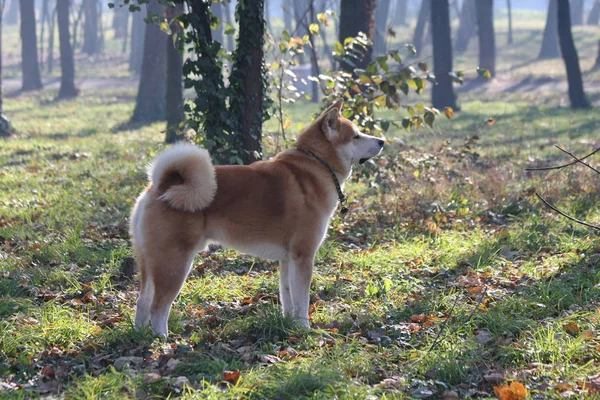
168,275
284,288
142,309
300,275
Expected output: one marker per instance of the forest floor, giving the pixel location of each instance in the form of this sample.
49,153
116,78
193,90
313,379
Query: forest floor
448,278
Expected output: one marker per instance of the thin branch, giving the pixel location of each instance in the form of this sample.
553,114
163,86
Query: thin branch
579,160
566,215
564,165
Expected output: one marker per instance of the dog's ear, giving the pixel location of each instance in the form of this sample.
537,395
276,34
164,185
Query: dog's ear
330,123
338,104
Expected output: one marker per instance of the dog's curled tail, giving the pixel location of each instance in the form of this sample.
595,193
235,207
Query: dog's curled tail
184,177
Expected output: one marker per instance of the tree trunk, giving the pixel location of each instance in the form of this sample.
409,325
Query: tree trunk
5,128
510,28
577,7
357,16
550,47
597,64
301,19
467,26
51,29
217,11
90,29
422,21
442,92
120,22
174,100
138,33
487,39
67,64
401,12
594,15
230,44
248,82
381,25
570,57
12,14
43,17
30,65
150,102
288,10
125,33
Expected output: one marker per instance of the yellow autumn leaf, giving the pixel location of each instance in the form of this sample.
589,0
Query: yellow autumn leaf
287,123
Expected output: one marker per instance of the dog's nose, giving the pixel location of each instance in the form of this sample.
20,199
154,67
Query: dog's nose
381,143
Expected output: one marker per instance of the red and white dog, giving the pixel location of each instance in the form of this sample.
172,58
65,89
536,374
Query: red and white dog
277,209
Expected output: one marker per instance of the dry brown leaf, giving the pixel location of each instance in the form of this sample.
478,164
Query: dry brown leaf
514,391
449,111
231,376
572,328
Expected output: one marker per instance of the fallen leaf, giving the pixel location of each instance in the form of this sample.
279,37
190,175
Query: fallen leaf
491,121
48,371
514,391
231,376
449,111
572,328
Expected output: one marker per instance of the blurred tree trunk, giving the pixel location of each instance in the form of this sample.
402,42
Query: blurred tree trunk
467,26
51,29
67,64
125,34
381,25
597,64
120,22
288,10
357,16
5,128
577,7
570,57
138,33
29,65
12,14
401,12
442,92
217,11
44,18
301,19
424,17
76,24
174,100
314,58
90,29
150,101
487,39
247,78
550,47
510,29
230,43
594,15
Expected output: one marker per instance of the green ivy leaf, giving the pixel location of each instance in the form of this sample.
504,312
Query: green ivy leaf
314,29
229,29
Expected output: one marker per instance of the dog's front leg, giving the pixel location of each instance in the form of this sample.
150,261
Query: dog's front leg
285,294
300,275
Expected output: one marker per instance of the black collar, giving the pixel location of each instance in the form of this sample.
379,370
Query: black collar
342,198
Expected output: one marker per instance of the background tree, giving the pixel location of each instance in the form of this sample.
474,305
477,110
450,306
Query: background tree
12,13
487,37
5,128
594,15
357,16
174,92
217,11
442,92
90,29
67,63
150,101
138,34
401,13
467,26
550,47
570,57
510,29
382,11
29,65
577,11
120,22
422,22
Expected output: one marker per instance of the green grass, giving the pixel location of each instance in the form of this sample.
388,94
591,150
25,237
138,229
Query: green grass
432,254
